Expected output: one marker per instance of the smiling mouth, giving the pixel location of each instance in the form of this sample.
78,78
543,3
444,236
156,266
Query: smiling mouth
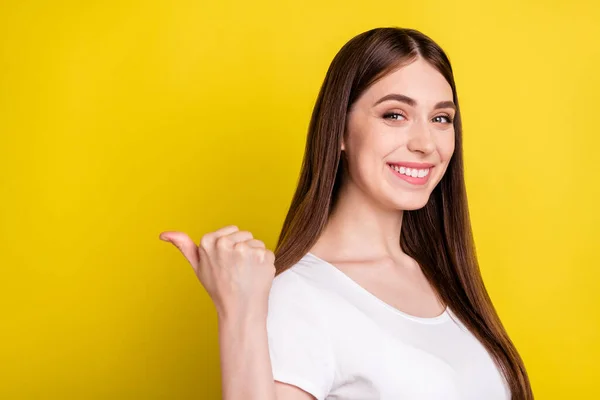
416,176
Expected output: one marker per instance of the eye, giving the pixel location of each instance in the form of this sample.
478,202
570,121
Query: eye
394,116
443,119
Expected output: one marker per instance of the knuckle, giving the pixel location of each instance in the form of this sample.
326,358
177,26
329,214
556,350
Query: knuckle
223,242
260,254
270,256
240,247
206,241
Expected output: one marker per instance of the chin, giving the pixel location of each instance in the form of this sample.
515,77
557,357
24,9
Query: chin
412,207
410,204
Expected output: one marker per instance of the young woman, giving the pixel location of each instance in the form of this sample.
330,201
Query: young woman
378,293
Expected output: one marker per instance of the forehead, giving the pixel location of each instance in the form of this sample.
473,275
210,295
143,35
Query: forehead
418,80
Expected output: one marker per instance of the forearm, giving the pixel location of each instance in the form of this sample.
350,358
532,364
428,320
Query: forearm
245,362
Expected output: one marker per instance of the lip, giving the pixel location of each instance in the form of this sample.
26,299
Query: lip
410,179
412,165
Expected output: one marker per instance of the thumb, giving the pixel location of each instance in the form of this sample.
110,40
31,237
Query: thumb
186,245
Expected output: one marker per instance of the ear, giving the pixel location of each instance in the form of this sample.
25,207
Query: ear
343,145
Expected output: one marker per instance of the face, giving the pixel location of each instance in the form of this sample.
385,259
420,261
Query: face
400,136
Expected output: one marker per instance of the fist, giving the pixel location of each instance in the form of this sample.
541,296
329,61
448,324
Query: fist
235,269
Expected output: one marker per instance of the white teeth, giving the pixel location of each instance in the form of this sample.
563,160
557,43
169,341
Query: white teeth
414,172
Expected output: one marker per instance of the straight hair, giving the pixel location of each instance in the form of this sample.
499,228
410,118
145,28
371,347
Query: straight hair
439,235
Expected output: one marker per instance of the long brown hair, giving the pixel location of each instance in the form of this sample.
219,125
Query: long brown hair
438,236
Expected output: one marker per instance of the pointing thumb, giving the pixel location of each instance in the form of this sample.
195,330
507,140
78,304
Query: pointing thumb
186,246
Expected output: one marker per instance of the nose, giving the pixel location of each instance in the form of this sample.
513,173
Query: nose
421,139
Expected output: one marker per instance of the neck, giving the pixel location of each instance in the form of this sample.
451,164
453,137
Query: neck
359,228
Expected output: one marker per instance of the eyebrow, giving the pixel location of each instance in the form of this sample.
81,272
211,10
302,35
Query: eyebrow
412,102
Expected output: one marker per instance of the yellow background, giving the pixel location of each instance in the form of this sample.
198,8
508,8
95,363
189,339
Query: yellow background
120,119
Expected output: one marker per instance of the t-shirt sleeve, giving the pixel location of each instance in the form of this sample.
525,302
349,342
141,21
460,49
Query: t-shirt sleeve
299,343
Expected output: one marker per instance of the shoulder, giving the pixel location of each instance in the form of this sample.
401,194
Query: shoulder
299,300
290,281
293,290
299,285
298,333
308,286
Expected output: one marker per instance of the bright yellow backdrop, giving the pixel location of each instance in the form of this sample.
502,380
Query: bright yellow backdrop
122,119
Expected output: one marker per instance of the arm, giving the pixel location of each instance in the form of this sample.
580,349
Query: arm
245,364
237,272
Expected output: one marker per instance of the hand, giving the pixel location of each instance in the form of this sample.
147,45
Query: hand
235,269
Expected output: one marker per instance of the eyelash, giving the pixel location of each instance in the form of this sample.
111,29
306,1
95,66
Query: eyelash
390,114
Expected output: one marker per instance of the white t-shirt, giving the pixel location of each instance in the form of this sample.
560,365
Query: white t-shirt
335,340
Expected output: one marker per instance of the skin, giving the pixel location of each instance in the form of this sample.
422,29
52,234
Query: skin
361,236
363,232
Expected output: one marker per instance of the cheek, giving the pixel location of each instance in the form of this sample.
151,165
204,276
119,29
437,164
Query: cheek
446,147
366,144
